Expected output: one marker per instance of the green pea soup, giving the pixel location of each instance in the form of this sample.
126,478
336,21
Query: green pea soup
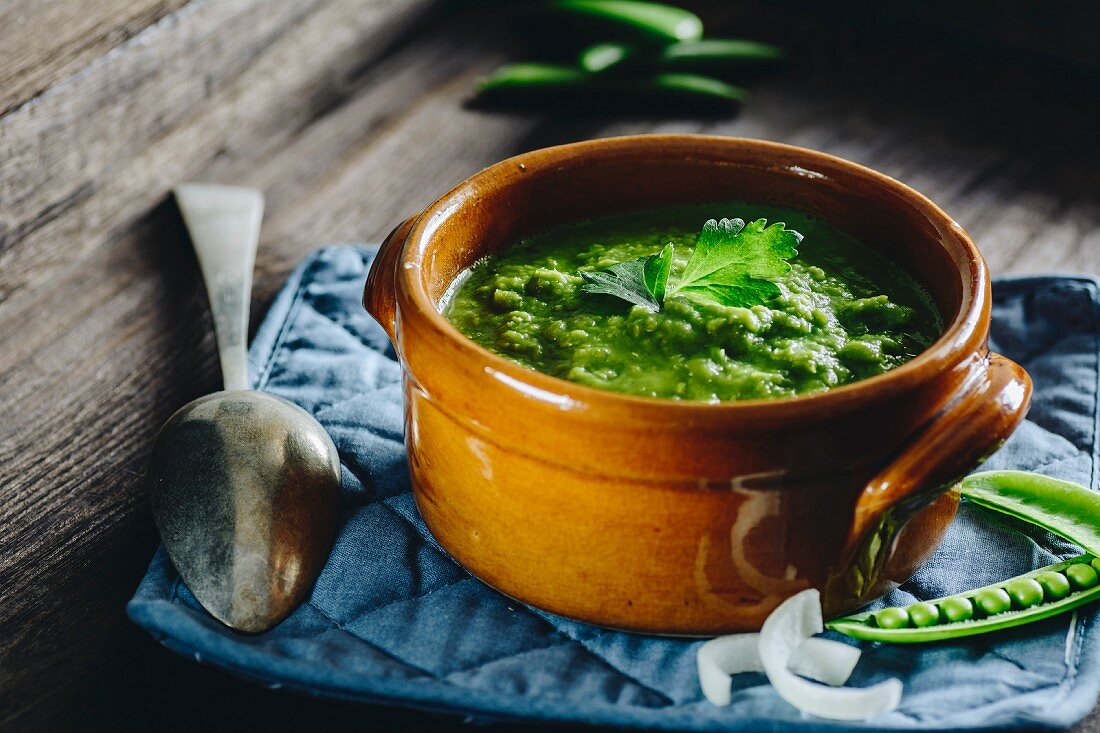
844,312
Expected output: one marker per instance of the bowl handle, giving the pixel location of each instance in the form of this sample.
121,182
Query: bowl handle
980,417
380,294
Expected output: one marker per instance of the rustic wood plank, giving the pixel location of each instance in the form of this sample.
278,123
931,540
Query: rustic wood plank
57,149
43,42
76,531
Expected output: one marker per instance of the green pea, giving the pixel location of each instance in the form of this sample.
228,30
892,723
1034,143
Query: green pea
1081,576
957,608
892,618
1024,592
1055,586
992,601
1096,564
924,614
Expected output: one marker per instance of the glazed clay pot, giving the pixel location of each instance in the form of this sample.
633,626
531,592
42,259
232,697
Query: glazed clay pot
677,517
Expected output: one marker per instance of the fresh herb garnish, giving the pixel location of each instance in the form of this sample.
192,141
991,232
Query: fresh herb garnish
730,266
641,281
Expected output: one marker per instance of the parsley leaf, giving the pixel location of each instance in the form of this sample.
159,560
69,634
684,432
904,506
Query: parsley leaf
730,265
641,281
732,261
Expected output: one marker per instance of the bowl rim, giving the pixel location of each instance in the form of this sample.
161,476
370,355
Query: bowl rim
953,346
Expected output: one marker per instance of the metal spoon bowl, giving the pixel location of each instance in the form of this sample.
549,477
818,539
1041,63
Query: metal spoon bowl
244,486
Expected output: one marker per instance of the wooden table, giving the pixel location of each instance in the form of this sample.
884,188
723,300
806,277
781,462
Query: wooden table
350,114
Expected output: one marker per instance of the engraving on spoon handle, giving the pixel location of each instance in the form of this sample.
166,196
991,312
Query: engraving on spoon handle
224,224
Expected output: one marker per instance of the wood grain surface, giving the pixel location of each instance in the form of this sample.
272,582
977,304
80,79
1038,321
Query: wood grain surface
351,114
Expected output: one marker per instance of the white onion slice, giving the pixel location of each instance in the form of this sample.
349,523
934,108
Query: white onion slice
827,661
795,620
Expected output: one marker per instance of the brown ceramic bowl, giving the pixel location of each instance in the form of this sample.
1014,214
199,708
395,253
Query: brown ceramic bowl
678,517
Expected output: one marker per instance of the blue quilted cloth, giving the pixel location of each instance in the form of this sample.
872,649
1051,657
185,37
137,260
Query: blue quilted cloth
393,619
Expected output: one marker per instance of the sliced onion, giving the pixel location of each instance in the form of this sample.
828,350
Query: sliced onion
827,661
795,620
824,660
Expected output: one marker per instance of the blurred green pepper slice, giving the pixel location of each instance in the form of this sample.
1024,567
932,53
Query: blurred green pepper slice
532,83
720,56
604,56
642,22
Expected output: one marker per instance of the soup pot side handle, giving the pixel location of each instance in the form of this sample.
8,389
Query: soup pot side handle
981,417
379,294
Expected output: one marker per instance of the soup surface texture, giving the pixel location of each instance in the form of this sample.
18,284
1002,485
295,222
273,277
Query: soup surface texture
845,312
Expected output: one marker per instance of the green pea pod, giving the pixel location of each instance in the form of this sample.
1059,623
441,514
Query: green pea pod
606,56
531,84
531,78
645,22
723,58
1066,509
866,626
689,89
720,56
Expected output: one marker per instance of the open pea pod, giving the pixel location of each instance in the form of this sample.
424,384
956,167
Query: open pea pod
1067,509
1029,597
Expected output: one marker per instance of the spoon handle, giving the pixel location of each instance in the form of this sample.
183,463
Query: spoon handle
224,224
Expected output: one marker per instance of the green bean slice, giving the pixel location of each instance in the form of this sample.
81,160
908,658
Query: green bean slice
556,84
530,77
720,56
605,56
862,625
643,21
1065,508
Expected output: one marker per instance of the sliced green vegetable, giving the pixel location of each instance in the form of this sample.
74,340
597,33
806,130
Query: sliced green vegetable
642,21
524,79
531,83
721,57
958,611
689,89
604,56
1065,508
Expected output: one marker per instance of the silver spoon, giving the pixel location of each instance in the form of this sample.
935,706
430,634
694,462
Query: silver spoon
244,485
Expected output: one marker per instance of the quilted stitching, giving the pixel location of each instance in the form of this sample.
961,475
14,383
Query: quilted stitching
390,589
